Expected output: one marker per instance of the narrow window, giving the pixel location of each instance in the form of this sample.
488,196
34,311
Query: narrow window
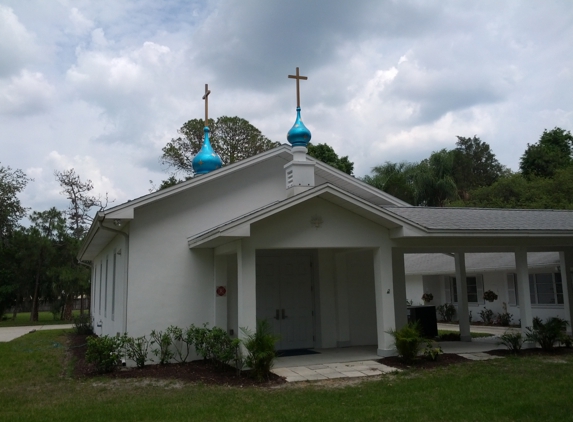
512,298
472,289
113,287
100,285
106,274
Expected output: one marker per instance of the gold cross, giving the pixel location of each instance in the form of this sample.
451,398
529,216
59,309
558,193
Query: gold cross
298,78
205,97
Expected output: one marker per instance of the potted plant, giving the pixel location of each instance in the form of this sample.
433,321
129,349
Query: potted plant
427,297
490,296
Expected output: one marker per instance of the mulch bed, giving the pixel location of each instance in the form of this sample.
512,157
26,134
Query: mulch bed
193,372
444,359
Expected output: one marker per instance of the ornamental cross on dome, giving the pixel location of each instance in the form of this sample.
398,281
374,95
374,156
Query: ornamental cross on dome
298,77
206,98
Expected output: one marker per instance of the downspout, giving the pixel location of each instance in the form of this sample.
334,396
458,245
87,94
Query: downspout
126,236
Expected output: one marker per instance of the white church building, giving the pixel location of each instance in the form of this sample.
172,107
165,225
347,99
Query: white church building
284,237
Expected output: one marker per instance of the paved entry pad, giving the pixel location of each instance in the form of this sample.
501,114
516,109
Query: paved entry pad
333,370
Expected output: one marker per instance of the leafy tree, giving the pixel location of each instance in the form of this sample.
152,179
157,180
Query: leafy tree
12,182
515,191
475,165
552,152
233,138
397,179
81,202
327,155
434,180
38,251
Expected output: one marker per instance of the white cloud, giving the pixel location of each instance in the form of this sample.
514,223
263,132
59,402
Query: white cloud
27,93
80,24
17,45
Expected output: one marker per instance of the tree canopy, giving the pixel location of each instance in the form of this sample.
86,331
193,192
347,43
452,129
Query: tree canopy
552,152
12,182
327,155
233,138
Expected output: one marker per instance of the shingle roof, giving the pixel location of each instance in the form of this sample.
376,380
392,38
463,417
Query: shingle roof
475,262
486,218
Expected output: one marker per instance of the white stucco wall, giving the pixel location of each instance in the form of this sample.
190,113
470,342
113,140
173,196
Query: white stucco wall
415,289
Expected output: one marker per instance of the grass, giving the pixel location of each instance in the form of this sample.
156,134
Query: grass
23,319
35,387
474,335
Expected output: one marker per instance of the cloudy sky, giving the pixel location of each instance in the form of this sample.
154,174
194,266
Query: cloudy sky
102,86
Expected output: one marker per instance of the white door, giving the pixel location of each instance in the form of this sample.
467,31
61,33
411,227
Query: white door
284,297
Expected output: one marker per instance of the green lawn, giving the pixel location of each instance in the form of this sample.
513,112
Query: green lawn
23,319
36,387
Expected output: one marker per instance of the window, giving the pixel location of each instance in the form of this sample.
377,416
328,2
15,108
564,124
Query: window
105,298
113,286
512,297
100,274
546,289
474,289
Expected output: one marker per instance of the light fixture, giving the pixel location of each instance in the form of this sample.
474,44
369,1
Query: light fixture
316,221
117,223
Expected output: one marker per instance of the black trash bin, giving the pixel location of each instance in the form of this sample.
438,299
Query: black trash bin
426,316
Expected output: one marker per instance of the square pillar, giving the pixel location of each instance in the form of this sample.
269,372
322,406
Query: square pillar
342,307
246,289
390,289
566,264
523,292
463,313
220,280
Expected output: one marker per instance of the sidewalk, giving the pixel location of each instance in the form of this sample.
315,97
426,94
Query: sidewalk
10,333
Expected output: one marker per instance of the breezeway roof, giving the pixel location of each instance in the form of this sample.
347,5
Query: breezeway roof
488,219
439,263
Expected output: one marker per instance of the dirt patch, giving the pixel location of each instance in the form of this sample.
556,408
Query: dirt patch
192,372
444,359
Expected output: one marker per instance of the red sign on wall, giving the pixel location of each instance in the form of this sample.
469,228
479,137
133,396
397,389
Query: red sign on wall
221,291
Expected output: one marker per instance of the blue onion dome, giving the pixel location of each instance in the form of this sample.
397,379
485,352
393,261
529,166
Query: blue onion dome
206,159
299,135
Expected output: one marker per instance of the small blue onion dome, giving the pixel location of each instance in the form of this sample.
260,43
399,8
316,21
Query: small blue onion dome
206,159
299,135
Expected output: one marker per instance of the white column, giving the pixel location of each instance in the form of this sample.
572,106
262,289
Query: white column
246,289
523,289
463,313
383,285
399,283
342,308
220,279
566,264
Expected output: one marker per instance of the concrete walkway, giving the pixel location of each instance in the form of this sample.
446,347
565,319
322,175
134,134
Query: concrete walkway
10,333
354,362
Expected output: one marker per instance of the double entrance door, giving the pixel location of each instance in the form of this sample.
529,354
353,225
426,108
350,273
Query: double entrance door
284,298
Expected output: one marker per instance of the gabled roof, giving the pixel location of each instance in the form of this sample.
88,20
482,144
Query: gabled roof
332,176
240,226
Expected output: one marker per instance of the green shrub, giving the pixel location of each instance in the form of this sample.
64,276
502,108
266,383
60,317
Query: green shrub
136,349
432,350
83,324
408,341
181,341
163,349
260,346
547,333
504,319
447,312
486,316
104,352
222,347
512,340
